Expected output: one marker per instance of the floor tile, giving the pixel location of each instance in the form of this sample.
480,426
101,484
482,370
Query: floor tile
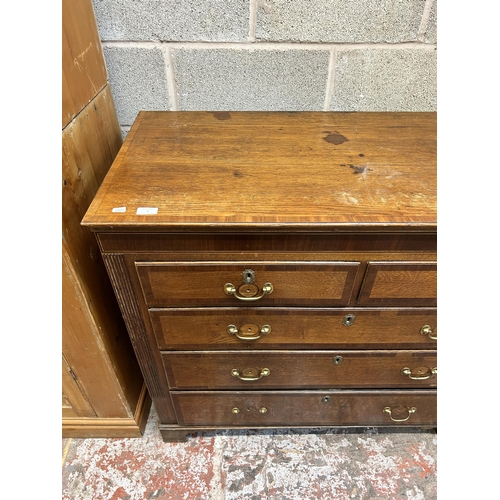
254,465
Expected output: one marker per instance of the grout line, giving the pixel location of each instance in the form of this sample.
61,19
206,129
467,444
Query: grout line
170,76
252,20
123,44
330,80
66,450
270,45
425,20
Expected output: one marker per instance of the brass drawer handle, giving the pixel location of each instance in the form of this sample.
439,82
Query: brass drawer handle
411,410
262,410
250,327
250,374
420,373
427,330
230,289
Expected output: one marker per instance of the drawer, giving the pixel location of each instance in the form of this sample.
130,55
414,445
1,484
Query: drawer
294,408
299,369
223,284
399,284
281,328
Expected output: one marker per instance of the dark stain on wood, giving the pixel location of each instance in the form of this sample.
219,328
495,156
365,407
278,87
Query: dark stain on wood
335,138
359,169
222,115
237,173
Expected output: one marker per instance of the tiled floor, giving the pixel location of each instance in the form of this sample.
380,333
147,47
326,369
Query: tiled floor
264,465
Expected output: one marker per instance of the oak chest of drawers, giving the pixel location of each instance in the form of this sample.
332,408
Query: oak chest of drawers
277,269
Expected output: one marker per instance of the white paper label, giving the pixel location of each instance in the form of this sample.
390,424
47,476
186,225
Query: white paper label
119,209
147,211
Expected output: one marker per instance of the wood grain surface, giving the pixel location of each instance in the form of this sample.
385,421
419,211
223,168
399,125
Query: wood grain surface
341,241
202,283
305,407
83,67
399,283
74,402
95,340
102,382
298,369
297,328
279,169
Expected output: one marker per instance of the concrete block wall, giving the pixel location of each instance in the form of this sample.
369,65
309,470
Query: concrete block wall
283,55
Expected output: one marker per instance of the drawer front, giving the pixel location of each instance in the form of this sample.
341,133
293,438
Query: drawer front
223,284
299,369
280,328
399,284
363,408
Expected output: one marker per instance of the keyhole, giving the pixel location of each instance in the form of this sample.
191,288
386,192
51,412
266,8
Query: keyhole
348,319
337,360
248,276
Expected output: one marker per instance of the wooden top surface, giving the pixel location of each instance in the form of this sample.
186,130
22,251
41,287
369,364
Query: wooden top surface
272,170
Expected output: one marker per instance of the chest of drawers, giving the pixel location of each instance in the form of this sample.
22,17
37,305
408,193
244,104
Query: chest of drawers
277,269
